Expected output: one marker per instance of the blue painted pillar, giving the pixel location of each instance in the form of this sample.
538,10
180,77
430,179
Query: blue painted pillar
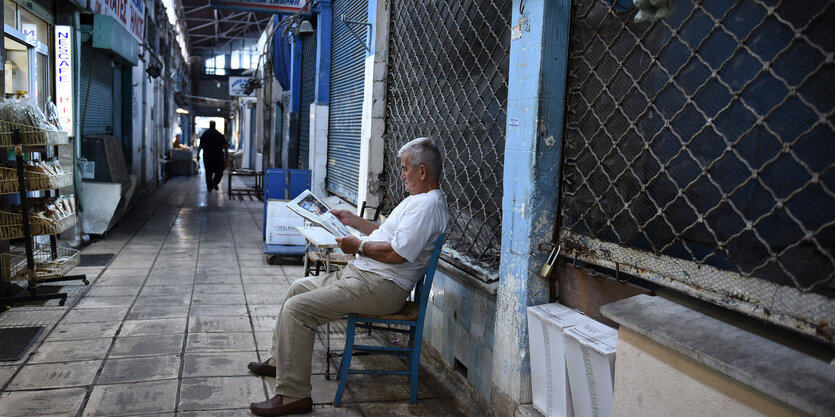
533,148
295,102
323,52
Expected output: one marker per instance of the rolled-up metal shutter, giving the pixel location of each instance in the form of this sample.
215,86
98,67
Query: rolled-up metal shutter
346,94
96,95
308,89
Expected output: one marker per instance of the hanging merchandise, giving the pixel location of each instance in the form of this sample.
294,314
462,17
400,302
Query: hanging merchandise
281,53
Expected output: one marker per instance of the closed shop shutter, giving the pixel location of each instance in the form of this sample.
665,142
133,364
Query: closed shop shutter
346,94
307,95
96,107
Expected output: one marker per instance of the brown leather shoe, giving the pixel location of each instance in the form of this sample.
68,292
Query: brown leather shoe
263,368
275,407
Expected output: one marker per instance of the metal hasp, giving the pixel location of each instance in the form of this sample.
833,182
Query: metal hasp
353,32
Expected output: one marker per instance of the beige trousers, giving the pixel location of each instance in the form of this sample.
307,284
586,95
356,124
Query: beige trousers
314,301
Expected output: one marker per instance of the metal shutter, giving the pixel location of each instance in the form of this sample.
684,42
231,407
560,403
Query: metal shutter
346,94
308,89
99,114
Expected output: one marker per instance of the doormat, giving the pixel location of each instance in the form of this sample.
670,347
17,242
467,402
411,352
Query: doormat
95,259
14,342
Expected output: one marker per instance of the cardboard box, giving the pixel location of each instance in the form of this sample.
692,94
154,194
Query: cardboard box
590,359
281,224
549,378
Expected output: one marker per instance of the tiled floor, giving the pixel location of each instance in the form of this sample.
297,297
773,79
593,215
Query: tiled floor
168,326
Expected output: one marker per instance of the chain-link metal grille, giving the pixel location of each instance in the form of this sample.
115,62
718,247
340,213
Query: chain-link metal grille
707,136
448,80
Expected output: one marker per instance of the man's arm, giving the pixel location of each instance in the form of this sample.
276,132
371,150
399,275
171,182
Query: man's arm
378,251
350,219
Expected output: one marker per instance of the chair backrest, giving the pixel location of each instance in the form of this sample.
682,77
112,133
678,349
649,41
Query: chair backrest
424,286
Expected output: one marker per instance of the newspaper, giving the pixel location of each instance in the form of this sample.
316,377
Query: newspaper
315,210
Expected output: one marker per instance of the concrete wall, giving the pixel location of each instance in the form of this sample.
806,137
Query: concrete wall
653,380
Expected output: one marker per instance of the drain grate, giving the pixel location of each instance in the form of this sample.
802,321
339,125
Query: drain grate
95,259
16,341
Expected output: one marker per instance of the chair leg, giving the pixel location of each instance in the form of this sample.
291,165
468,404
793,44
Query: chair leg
345,363
414,368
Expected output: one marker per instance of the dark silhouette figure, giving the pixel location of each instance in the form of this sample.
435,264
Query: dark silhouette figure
215,151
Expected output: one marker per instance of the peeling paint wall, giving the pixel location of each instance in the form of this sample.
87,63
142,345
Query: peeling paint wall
539,42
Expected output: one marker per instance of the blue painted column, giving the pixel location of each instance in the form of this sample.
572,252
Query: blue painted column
295,102
533,148
323,52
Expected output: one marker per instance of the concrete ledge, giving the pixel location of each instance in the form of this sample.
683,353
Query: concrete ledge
786,375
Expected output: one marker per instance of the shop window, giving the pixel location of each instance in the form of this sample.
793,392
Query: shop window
44,86
33,27
10,13
16,67
215,66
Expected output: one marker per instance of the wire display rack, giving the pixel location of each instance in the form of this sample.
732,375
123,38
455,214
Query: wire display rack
30,135
47,266
34,180
11,225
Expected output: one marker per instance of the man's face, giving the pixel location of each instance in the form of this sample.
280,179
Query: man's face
412,176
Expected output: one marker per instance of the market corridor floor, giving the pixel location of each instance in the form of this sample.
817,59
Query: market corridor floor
167,327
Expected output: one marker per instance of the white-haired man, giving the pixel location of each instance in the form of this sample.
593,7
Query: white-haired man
391,259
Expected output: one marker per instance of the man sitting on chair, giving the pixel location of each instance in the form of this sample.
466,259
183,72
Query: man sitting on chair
390,261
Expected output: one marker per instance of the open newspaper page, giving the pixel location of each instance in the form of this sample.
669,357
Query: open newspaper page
315,210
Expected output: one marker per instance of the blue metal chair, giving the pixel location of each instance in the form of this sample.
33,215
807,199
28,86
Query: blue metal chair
411,315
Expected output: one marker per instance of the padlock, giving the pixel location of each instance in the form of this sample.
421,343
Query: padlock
548,267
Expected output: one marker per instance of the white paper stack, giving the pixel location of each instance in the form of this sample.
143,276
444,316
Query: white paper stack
590,358
549,380
281,225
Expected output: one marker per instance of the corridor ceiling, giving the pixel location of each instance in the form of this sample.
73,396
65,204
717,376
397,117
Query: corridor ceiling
209,29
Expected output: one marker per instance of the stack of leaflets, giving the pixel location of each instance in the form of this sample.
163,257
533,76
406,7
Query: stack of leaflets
315,210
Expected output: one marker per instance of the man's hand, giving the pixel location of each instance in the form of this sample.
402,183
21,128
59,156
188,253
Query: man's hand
346,217
349,244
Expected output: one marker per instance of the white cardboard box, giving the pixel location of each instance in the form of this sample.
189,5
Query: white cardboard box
281,224
590,359
549,378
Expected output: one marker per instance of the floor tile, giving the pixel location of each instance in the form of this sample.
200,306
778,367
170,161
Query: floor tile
175,325
158,312
59,402
55,375
147,345
113,290
270,310
71,350
218,279
220,393
76,331
105,302
136,398
219,324
217,310
265,289
217,364
6,373
424,408
264,298
218,299
218,289
263,323
152,290
92,315
241,412
220,342
147,368
145,301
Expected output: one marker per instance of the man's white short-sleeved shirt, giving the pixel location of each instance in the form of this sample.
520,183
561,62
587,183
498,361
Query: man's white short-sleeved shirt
412,229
